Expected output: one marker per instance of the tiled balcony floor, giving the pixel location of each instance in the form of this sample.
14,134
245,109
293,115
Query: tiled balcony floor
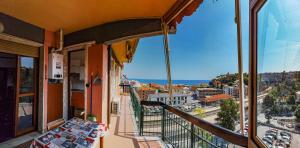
123,134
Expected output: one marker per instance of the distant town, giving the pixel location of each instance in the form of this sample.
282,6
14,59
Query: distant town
278,100
202,100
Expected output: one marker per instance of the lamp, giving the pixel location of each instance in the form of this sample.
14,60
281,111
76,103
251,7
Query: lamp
96,80
1,27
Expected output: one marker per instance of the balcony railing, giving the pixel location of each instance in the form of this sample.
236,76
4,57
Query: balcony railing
180,129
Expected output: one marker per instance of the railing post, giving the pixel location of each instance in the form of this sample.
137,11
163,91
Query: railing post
141,121
163,123
192,136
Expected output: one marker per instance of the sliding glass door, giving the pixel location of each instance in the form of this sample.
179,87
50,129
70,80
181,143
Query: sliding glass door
8,68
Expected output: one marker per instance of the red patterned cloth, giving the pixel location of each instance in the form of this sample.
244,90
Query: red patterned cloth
75,133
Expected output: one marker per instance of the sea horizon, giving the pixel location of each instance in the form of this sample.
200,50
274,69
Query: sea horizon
164,81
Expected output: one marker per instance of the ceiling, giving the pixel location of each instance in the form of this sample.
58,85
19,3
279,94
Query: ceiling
74,15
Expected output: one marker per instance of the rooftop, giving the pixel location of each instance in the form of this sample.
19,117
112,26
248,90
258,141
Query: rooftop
218,97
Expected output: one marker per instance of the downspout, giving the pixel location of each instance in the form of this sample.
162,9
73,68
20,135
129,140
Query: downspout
167,58
240,64
60,43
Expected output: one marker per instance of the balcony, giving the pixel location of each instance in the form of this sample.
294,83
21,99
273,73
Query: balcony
179,129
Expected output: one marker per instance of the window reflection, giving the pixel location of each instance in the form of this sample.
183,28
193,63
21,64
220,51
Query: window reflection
278,83
25,115
26,74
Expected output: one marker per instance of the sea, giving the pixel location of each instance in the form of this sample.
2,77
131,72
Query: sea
165,82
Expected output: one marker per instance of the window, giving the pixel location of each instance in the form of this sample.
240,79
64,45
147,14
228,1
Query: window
27,75
278,73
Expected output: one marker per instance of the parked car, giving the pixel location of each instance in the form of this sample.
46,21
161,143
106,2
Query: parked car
290,114
272,135
286,137
284,141
275,131
269,137
280,144
269,145
268,141
285,133
290,125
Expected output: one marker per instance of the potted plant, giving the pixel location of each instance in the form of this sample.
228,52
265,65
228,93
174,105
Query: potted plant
91,117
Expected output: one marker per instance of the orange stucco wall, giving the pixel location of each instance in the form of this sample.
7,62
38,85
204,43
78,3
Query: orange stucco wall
53,93
48,42
97,64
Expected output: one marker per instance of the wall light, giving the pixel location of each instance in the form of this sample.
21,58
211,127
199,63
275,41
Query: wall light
1,27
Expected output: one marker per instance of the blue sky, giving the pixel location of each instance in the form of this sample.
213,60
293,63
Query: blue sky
203,47
278,36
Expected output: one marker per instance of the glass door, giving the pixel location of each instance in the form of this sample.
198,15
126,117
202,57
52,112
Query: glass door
26,95
8,71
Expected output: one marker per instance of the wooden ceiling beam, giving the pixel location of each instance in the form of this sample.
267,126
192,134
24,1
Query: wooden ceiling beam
115,31
180,9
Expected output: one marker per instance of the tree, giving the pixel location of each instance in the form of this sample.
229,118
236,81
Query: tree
228,114
297,112
268,115
200,112
203,85
291,100
268,102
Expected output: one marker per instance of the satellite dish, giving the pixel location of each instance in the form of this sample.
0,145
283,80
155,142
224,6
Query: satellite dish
1,27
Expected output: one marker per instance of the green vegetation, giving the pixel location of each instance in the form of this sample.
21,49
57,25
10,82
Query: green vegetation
200,112
203,85
227,79
281,99
228,114
297,112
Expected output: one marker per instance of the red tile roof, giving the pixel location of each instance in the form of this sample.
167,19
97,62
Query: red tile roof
218,97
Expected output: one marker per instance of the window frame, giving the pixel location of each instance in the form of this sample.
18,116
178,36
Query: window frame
255,7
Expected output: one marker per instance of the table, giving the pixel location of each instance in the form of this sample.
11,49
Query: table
75,133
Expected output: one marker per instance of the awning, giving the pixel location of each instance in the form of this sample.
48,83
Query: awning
77,15
123,51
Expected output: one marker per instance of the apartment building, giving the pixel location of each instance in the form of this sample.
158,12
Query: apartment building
177,99
144,92
203,92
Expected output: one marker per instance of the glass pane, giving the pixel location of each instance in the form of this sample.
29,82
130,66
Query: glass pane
25,115
278,83
8,70
26,74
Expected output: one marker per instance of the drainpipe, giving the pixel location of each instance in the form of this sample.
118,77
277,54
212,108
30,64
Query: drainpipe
61,40
240,64
167,58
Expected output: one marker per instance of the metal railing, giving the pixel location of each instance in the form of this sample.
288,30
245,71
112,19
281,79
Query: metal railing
180,129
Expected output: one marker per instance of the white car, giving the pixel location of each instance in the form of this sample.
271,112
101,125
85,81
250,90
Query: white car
286,137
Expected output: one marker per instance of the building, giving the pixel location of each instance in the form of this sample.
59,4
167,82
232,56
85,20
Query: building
144,92
215,100
177,100
156,86
234,90
178,89
203,92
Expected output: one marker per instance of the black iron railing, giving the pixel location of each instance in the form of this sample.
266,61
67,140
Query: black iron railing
180,129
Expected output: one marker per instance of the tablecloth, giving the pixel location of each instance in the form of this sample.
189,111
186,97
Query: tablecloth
75,133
